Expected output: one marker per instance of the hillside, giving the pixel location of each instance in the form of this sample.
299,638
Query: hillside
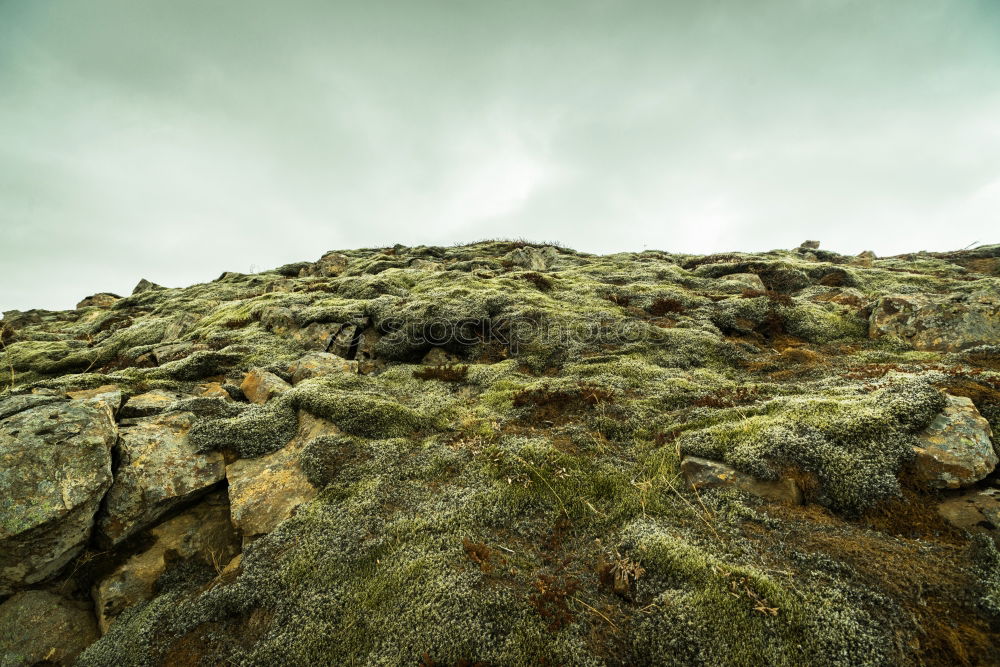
504,454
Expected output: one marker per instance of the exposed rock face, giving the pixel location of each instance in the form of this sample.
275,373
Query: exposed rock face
260,385
956,450
706,474
55,466
949,323
38,627
265,491
202,532
149,404
158,469
100,300
320,363
976,511
532,258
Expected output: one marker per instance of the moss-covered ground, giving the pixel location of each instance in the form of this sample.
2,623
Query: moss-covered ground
521,503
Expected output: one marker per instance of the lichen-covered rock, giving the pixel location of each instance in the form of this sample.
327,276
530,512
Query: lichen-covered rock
956,449
42,628
158,469
749,281
317,364
99,300
265,491
260,385
55,466
707,474
149,404
203,532
532,258
949,323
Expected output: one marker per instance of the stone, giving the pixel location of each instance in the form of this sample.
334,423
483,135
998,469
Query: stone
977,511
328,266
99,300
265,491
705,474
144,286
956,450
148,404
39,627
110,394
438,356
811,245
746,281
21,402
259,386
318,335
203,531
55,467
212,390
278,320
315,364
343,343
947,323
158,470
532,258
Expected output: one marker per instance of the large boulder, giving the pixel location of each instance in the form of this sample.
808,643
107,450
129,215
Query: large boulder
38,627
265,491
706,474
259,386
55,467
930,322
203,532
158,469
956,449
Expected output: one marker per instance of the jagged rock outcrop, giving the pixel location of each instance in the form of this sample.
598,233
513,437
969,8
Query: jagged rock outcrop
55,466
42,628
931,322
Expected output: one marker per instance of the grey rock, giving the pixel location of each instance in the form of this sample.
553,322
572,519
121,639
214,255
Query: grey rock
55,466
320,363
956,450
38,627
158,470
144,286
930,322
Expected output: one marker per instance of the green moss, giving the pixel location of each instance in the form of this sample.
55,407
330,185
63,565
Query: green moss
257,430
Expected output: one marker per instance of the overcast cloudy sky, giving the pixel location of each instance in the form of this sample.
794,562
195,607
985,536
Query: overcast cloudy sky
176,139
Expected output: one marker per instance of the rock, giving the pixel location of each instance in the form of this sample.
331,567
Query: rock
318,335
110,394
203,531
867,254
265,491
212,390
14,404
278,320
976,512
438,356
99,300
148,404
320,363
38,627
532,258
329,265
811,245
158,469
704,473
144,286
260,385
930,322
956,449
746,281
55,466
343,343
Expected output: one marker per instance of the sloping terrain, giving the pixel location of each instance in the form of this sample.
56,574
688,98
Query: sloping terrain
505,453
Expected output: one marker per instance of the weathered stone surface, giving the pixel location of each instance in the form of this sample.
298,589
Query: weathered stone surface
265,491
343,342
203,531
320,363
949,323
38,627
110,394
14,404
158,469
976,511
148,404
100,300
259,386
746,281
438,356
55,465
704,473
144,286
212,390
956,449
811,245
329,265
532,258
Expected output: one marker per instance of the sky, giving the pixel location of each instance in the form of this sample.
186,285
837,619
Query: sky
175,140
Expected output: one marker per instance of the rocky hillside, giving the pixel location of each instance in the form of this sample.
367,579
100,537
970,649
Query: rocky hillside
510,454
